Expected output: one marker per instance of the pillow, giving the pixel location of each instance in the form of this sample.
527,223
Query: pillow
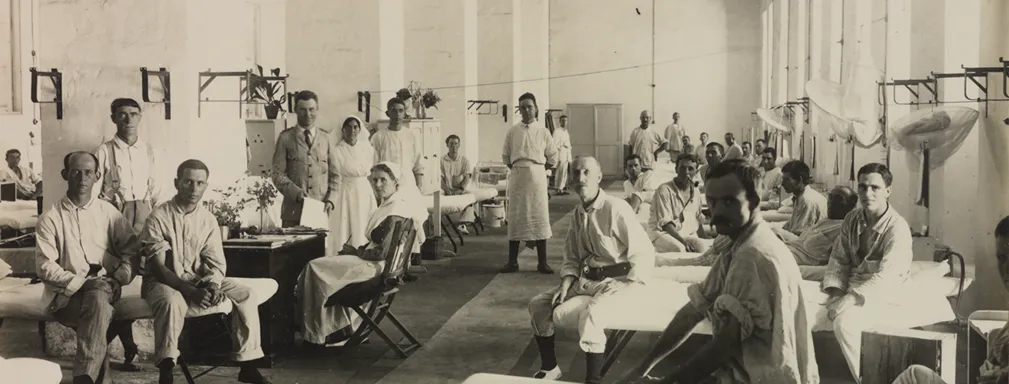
928,270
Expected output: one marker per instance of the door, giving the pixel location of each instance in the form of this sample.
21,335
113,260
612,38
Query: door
609,138
596,130
582,128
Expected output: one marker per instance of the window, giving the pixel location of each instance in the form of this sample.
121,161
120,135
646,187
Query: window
10,56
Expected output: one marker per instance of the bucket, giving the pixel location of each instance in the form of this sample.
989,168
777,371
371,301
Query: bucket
494,214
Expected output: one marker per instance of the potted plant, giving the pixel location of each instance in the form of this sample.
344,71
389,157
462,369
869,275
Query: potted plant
267,92
430,100
228,211
264,193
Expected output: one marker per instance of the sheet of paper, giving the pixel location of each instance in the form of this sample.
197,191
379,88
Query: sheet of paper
313,214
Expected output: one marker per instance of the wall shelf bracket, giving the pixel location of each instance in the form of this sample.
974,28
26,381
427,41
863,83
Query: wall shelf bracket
978,76
244,95
56,77
166,85
913,86
363,104
492,108
802,102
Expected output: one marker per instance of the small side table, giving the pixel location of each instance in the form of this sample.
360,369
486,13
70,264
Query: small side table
981,323
887,352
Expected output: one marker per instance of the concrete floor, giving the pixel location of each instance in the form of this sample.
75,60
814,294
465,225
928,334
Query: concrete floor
425,307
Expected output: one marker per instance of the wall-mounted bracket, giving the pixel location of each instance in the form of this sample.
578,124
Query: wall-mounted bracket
491,110
363,104
1005,76
974,74
913,87
244,94
166,85
504,111
56,77
802,102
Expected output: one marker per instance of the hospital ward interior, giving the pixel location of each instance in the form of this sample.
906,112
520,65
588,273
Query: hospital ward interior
504,191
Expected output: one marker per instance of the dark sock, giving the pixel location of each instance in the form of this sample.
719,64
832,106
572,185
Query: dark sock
541,251
513,252
548,357
593,368
165,367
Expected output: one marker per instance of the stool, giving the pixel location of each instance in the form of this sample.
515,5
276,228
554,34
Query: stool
886,352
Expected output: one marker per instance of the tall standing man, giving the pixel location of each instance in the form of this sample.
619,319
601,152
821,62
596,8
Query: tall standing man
675,133
646,142
303,162
528,150
127,167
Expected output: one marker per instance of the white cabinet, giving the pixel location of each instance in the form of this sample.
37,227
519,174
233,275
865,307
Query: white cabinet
427,134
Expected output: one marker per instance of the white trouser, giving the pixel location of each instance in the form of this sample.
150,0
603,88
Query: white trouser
170,307
588,307
848,329
664,242
28,370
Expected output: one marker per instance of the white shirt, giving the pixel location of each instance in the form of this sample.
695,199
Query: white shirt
134,163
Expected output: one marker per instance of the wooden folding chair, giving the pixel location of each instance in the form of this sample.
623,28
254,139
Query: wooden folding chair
381,291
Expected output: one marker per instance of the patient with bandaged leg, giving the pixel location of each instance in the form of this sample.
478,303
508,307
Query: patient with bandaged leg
676,222
761,333
607,260
812,248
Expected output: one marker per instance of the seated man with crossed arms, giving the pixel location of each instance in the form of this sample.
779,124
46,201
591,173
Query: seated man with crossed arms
676,222
751,297
811,248
185,267
607,260
640,184
456,172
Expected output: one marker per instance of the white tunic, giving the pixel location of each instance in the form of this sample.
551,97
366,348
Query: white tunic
401,147
354,199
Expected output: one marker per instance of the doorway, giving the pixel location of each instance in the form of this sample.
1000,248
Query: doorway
597,130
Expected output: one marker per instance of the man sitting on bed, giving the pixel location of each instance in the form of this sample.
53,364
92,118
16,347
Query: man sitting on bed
607,259
752,298
871,259
640,184
185,267
809,206
676,223
813,246
770,179
713,154
28,185
456,172
84,256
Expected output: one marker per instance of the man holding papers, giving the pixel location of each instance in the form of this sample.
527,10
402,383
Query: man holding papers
303,163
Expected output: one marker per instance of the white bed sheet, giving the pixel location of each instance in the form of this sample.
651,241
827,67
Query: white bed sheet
666,297
484,193
21,300
21,214
450,204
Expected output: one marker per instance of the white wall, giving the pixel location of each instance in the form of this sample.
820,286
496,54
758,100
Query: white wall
707,56
495,62
16,125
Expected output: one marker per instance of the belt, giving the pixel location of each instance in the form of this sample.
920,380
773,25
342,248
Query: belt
601,273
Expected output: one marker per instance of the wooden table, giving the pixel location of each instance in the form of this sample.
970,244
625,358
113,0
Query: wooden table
282,258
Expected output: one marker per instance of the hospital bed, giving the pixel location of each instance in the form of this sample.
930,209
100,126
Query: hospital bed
492,175
668,293
19,215
448,205
21,298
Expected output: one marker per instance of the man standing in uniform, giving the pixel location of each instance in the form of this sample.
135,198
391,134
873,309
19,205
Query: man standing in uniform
303,162
528,150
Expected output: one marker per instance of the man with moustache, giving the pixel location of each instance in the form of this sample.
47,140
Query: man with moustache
607,261
732,149
185,267
751,297
528,150
303,162
713,155
676,223
84,256
771,178
758,150
868,264
128,166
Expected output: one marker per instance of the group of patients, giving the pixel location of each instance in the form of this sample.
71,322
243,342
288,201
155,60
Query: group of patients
91,244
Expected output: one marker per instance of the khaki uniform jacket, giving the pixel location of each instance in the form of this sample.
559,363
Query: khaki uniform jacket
297,168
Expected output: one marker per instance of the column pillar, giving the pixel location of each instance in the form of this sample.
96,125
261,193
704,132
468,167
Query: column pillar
471,49
898,66
338,48
797,53
495,69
